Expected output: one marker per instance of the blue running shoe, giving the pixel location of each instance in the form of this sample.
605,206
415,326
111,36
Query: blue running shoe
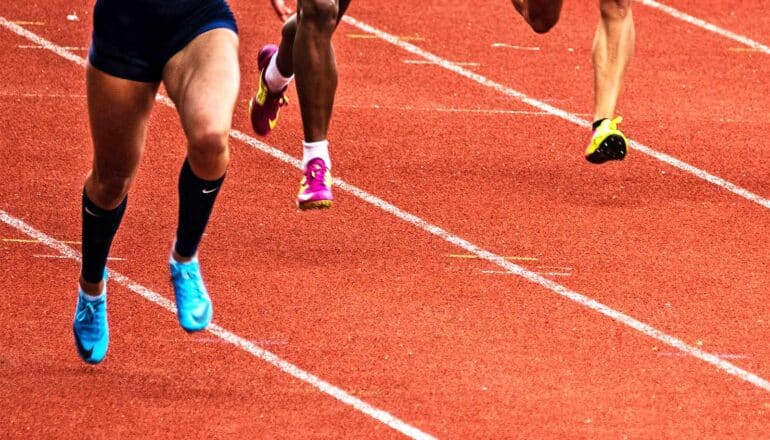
92,334
193,305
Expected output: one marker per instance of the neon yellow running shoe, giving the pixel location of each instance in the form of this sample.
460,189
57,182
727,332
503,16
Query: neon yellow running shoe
607,142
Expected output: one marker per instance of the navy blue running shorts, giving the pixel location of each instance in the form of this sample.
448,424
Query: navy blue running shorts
134,39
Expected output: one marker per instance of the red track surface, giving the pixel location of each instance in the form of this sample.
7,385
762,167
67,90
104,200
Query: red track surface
379,307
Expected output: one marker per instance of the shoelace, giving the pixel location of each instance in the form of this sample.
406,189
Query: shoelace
86,313
192,276
314,171
282,100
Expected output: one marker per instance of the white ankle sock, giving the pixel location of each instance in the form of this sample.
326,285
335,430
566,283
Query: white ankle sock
273,77
172,260
312,150
92,298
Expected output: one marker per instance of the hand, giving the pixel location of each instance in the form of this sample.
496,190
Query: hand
283,11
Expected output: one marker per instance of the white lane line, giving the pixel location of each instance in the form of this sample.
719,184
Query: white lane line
228,336
459,63
505,272
539,104
418,222
443,110
35,46
703,24
68,258
721,355
513,46
41,95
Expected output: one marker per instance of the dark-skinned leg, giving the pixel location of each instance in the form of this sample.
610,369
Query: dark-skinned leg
541,15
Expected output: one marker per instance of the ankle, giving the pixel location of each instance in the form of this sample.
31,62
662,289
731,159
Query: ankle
92,289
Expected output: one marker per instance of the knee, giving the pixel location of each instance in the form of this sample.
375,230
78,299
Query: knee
207,149
543,22
320,14
615,9
108,189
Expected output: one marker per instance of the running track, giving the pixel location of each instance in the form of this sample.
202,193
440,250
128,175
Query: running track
410,333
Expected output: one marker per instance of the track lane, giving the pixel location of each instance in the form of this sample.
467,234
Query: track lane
288,181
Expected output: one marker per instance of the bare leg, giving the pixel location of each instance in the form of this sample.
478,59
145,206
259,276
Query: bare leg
118,112
203,81
306,48
285,57
612,51
315,65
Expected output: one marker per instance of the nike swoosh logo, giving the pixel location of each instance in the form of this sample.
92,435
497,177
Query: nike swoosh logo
85,354
304,197
200,317
89,212
209,191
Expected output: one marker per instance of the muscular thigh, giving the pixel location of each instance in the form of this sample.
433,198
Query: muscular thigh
203,80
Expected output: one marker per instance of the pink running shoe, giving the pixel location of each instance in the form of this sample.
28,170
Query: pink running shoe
315,188
265,105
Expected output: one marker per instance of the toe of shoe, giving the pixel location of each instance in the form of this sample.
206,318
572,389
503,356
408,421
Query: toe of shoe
195,318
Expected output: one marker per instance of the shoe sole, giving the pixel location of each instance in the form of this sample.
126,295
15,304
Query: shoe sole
611,148
317,204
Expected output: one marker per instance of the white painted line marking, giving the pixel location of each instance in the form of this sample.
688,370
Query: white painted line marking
703,24
720,355
372,37
35,46
505,272
378,414
476,257
68,258
513,46
260,342
41,95
568,116
444,110
561,268
459,63
375,413
244,344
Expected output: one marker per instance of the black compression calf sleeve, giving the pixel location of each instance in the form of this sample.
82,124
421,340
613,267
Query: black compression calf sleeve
99,228
196,200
